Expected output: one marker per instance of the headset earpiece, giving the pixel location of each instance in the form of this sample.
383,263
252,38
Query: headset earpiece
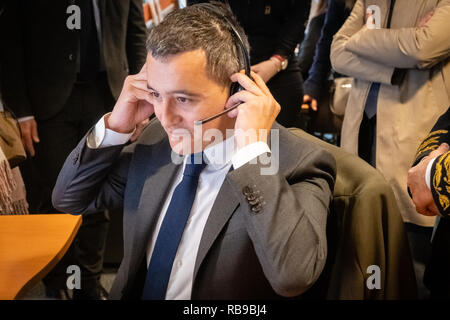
235,88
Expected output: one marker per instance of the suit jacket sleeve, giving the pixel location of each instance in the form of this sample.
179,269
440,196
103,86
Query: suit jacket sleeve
351,64
136,37
438,135
440,183
288,234
92,180
407,47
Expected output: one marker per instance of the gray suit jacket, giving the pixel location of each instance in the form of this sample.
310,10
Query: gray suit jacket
278,251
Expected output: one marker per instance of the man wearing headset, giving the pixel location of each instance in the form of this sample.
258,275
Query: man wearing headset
198,225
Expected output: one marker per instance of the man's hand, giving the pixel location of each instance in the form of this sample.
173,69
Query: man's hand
425,19
256,114
29,135
421,194
267,69
133,106
308,99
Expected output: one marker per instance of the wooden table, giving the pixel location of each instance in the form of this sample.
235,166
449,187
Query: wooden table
30,246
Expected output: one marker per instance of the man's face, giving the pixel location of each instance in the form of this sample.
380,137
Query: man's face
183,93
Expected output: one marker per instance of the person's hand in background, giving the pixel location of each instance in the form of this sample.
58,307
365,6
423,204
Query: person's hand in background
308,100
425,19
267,69
421,194
29,135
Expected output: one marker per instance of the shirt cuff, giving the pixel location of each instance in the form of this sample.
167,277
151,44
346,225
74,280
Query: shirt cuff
22,119
428,173
249,152
102,137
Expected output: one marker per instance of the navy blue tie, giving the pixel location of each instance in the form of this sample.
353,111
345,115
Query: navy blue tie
171,230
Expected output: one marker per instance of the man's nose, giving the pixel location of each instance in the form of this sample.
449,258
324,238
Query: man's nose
167,114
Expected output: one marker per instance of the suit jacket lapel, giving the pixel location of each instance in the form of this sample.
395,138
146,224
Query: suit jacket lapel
223,208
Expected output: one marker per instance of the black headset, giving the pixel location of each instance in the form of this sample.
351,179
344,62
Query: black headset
242,50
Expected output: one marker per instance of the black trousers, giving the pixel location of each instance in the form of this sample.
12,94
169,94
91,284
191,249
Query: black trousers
367,140
287,88
437,272
59,135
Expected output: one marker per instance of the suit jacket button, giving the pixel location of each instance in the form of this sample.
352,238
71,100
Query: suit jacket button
251,197
247,191
75,159
257,208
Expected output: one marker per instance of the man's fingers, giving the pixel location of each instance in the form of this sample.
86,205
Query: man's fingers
432,209
261,83
140,84
239,97
143,69
314,104
28,142
139,128
142,75
443,148
29,133
34,132
142,95
246,83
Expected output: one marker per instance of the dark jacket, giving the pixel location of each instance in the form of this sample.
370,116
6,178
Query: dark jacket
41,54
272,27
440,171
321,67
308,46
437,277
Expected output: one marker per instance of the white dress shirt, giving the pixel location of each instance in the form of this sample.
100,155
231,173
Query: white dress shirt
428,173
220,158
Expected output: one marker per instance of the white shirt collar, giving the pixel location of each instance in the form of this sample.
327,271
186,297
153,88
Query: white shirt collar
220,154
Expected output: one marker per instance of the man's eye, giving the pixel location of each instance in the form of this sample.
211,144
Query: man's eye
154,94
183,100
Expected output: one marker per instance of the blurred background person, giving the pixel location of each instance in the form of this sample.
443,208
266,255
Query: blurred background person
12,189
315,84
398,56
430,191
274,28
305,54
66,64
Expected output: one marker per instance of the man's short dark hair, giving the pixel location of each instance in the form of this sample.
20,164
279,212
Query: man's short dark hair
195,27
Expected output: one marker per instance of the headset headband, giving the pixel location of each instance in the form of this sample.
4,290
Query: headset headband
240,43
